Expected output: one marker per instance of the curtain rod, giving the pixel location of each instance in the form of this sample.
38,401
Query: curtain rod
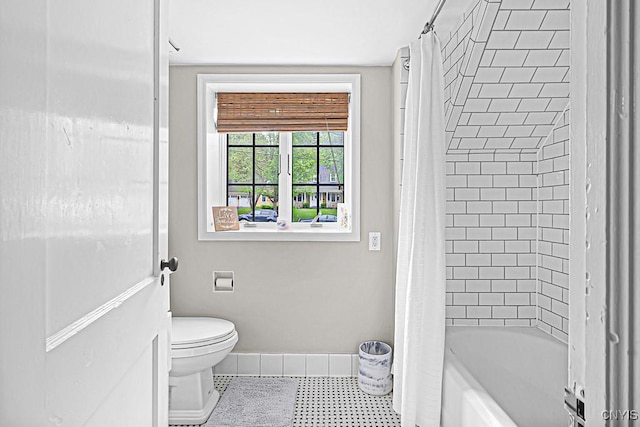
428,26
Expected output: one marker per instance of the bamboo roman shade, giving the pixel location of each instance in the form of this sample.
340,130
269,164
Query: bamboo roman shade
282,112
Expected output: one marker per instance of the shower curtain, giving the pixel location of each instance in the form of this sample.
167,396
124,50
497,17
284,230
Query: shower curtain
420,274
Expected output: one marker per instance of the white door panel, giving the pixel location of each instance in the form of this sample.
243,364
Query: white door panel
100,151
118,409
83,213
22,216
83,371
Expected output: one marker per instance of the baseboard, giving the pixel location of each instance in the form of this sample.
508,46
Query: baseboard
296,365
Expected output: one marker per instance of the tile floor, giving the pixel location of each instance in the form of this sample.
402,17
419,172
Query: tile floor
333,402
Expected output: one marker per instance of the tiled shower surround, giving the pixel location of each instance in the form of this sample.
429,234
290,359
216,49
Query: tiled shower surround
553,231
506,90
491,238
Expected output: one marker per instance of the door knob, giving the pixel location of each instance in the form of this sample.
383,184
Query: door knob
172,264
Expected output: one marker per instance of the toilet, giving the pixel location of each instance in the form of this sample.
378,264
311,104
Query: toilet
197,345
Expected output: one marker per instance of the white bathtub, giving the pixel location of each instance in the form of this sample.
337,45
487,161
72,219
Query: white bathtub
497,376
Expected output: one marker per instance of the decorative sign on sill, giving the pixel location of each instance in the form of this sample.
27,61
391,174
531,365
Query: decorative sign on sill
344,217
225,218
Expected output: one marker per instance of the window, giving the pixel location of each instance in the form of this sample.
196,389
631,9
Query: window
303,175
252,174
316,158
254,182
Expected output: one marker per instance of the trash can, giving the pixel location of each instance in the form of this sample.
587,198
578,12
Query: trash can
374,373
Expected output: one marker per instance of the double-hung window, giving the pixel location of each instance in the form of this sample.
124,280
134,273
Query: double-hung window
300,169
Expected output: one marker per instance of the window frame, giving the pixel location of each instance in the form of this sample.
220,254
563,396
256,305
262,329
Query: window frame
212,151
318,185
254,146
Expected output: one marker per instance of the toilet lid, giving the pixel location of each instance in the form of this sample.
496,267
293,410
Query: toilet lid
199,331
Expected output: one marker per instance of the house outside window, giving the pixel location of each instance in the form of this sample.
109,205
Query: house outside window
252,173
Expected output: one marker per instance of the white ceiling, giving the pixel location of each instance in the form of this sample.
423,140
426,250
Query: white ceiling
299,32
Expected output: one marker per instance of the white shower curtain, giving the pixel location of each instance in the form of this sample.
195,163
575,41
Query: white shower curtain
421,276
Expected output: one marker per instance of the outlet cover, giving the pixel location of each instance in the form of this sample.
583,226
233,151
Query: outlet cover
374,241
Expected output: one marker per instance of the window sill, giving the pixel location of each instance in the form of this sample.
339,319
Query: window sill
270,234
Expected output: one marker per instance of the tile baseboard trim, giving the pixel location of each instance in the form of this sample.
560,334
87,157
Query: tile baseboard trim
284,364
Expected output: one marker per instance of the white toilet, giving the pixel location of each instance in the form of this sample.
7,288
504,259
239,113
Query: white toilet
197,345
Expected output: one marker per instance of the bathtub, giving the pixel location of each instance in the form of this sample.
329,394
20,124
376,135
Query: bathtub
503,376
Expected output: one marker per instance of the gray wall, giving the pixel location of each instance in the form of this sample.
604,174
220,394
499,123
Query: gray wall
297,297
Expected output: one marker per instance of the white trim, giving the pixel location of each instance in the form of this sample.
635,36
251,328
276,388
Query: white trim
157,53
594,78
284,180
255,365
623,216
210,149
201,157
76,327
278,82
577,198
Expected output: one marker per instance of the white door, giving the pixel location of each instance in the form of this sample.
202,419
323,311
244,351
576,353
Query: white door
84,305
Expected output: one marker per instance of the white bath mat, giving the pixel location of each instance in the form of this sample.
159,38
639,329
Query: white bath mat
256,402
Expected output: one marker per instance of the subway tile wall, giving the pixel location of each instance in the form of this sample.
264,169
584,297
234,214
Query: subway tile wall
506,78
491,238
506,74
553,231
506,89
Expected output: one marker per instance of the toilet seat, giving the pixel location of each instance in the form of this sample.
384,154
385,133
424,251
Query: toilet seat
192,336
